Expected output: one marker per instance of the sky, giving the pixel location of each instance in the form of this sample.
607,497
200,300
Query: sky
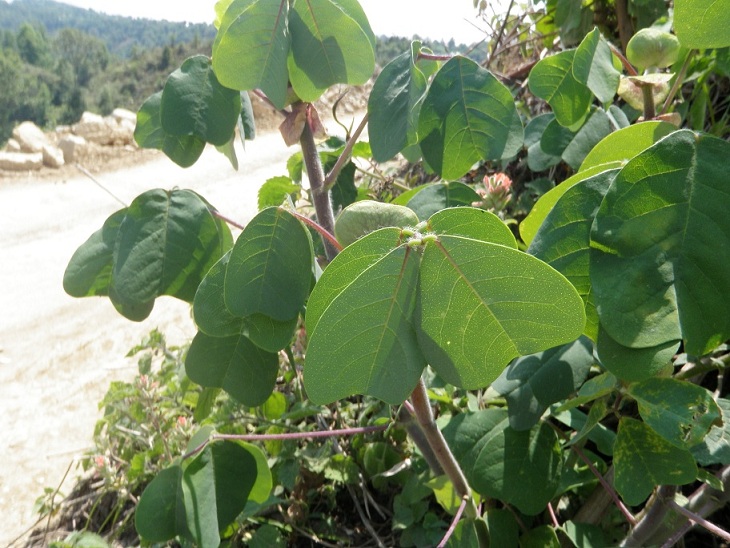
435,19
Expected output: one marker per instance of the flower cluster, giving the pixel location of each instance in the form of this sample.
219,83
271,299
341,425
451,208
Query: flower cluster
496,194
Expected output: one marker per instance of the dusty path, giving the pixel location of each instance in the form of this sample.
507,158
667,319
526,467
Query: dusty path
58,354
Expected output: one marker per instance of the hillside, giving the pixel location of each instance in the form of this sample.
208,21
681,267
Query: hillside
122,35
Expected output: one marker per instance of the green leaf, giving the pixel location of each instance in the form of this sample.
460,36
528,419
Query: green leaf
480,305
261,489
216,487
624,144
351,262
503,527
467,116
364,342
394,106
664,226
532,383
229,151
474,223
195,103
643,460
366,216
681,412
184,150
634,364
437,196
593,67
575,419
160,514
251,48
537,158
269,334
499,461
209,308
715,448
552,79
270,269
563,240
276,191
247,121
331,43
702,24
585,535
596,127
234,364
543,536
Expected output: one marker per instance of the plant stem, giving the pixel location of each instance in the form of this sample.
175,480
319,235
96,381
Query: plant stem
677,82
711,527
454,522
320,229
502,28
331,179
405,417
424,415
647,93
655,512
625,62
320,197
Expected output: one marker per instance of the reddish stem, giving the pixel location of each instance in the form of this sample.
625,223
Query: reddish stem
319,228
454,522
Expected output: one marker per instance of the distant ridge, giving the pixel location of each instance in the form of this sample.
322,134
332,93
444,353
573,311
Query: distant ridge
119,33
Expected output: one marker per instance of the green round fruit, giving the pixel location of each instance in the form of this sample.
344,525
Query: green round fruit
361,218
652,48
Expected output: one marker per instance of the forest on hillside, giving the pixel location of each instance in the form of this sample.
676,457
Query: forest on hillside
56,61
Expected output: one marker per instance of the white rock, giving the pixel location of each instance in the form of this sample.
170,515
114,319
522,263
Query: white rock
122,114
52,156
72,147
93,128
20,161
12,146
30,137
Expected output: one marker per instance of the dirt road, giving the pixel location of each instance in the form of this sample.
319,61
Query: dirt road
58,354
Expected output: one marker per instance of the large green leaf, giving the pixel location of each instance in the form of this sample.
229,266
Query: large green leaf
474,223
209,308
624,144
643,460
251,48
270,269
664,226
234,364
269,334
195,103
364,341
715,448
480,305
681,412
537,158
519,468
532,383
216,486
160,514
467,116
595,128
331,43
563,240
552,79
184,150
593,67
634,364
437,196
394,105
702,24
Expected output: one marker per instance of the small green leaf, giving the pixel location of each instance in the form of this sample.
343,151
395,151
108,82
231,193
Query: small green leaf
366,216
275,191
184,150
715,448
270,268
593,67
702,24
532,383
160,514
643,460
234,364
499,461
364,342
195,103
251,48
552,79
634,364
331,43
394,106
434,197
467,116
474,223
681,412
480,305
664,226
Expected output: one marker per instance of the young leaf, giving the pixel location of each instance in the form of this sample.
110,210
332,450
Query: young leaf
364,342
552,79
593,66
184,150
467,116
664,226
270,267
532,383
195,103
480,305
437,196
702,24
643,460
474,223
275,191
251,48
366,216
331,43
499,461
160,514
394,105
681,412
234,364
